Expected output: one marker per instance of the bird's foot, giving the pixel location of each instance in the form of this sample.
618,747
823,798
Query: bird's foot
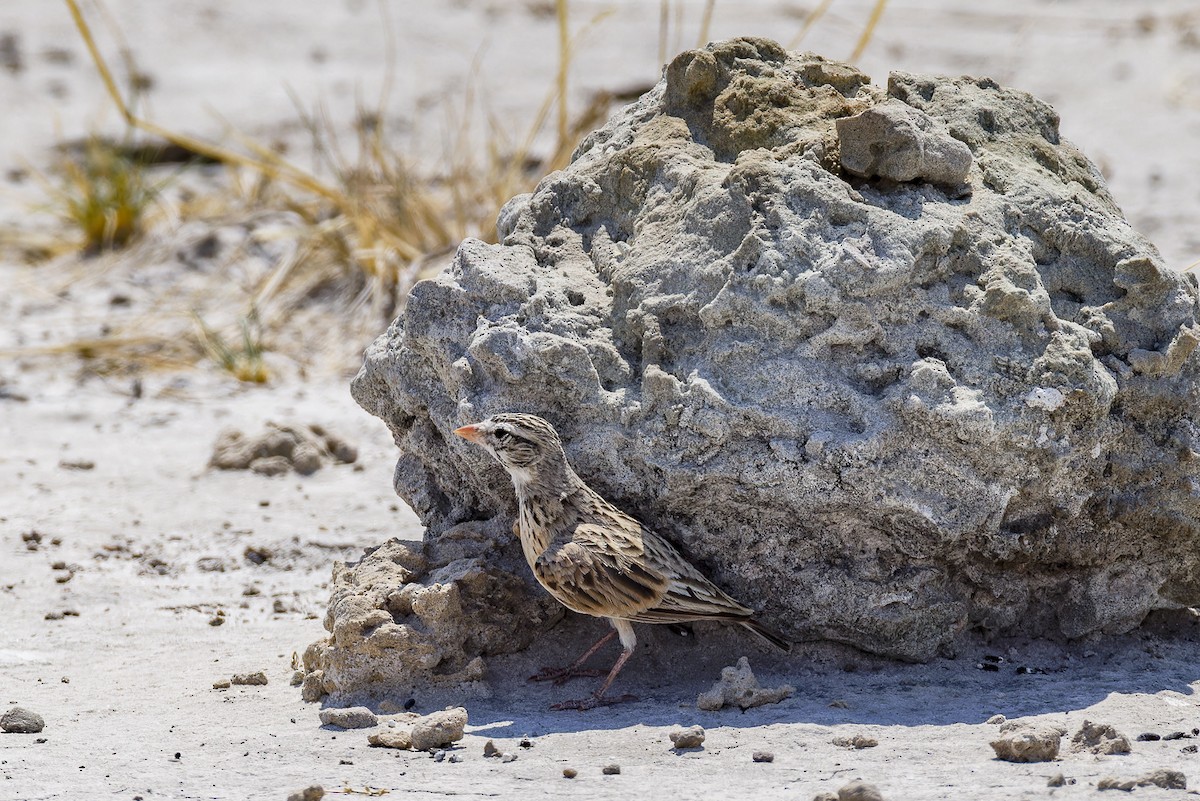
591,702
561,676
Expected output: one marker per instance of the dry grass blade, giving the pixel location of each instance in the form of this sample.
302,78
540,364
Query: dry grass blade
809,21
869,31
705,23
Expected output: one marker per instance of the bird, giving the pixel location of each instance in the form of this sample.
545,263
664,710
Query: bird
594,558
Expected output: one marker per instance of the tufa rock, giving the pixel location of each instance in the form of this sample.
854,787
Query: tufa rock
858,790
19,720
1113,783
1099,738
391,738
438,729
893,140
691,737
405,617
350,717
312,793
763,756
857,741
1164,778
1028,742
737,686
281,449
257,677
882,412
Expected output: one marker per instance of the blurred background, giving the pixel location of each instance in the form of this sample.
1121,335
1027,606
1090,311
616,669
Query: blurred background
375,134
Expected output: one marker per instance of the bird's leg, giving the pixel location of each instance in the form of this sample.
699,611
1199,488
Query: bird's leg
599,698
576,669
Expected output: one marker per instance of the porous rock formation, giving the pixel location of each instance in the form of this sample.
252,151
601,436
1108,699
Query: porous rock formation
889,364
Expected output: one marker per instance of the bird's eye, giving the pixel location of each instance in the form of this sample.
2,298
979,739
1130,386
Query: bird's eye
503,434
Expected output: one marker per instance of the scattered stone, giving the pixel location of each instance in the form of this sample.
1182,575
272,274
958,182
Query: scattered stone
490,750
19,720
996,720
278,606
1028,742
257,555
763,756
222,684
455,758
1113,783
77,464
217,620
280,449
350,717
611,770
391,738
1166,779
313,793
570,773
856,741
1148,737
858,790
526,743
1176,735
691,737
257,677
438,729
1188,749
1057,780
507,757
439,755
1099,738
297,678
737,685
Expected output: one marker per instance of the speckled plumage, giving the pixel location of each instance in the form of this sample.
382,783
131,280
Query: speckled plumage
593,557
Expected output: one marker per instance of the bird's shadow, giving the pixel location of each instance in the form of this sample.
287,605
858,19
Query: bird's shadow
833,684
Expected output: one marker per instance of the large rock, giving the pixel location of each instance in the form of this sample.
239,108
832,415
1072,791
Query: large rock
882,411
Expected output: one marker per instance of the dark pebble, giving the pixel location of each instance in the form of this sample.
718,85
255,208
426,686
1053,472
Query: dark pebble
763,756
570,773
611,770
1148,737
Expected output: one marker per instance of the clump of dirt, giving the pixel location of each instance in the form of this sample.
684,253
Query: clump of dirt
281,449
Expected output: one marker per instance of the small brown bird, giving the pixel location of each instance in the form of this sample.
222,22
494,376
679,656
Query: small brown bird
593,557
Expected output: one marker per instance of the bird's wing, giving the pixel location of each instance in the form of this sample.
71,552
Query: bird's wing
600,571
689,595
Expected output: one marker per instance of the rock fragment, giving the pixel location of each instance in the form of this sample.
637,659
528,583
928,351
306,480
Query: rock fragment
1113,783
611,770
280,449
350,717
391,738
313,792
257,677
738,686
893,140
1028,742
856,741
570,773
438,729
19,720
1164,778
763,756
859,790
1099,738
691,737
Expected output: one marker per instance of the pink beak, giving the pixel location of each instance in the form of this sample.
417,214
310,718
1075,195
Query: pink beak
470,432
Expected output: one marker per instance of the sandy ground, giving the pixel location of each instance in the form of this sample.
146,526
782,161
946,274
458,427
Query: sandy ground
153,546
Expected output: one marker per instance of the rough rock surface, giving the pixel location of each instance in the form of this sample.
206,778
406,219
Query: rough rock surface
883,412
349,717
691,737
281,449
439,729
1020,741
19,720
738,687
403,618
1099,738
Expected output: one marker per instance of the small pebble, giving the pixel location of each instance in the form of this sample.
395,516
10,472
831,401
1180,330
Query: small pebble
507,757
1057,780
570,773
1188,749
526,743
439,755
1148,737
351,717
490,749
763,756
611,770
1176,735
221,684
314,793
455,758
996,720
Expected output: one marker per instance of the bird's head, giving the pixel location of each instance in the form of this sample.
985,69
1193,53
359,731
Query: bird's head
524,444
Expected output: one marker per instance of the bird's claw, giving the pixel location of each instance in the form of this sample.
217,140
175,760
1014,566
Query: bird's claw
591,702
561,676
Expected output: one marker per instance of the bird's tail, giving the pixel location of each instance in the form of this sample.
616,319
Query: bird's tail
771,636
